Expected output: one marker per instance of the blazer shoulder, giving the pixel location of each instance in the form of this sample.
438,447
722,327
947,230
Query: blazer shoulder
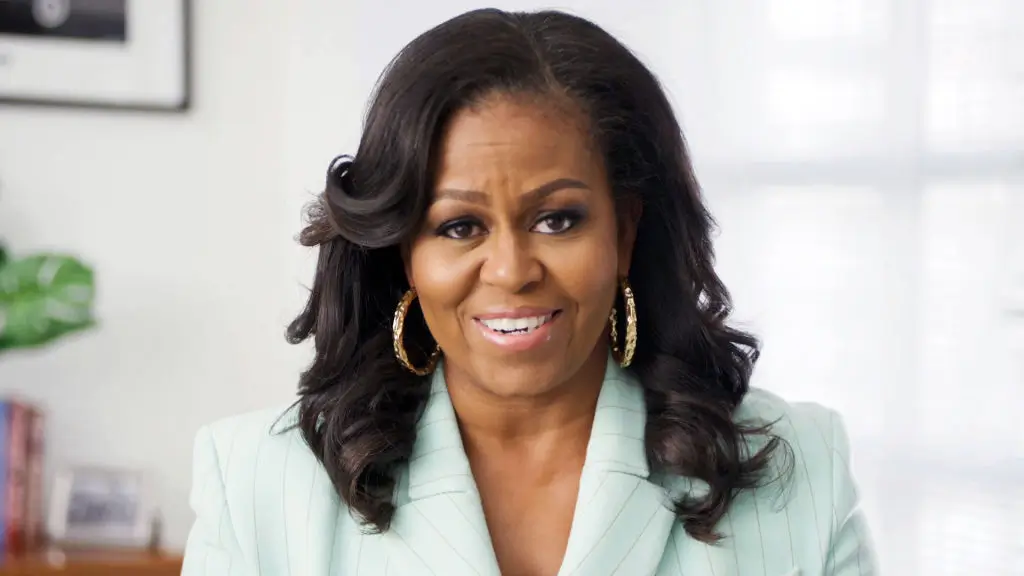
820,506
258,491
804,517
804,425
812,445
243,444
273,418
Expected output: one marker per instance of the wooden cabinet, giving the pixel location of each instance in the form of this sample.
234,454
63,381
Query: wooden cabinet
91,563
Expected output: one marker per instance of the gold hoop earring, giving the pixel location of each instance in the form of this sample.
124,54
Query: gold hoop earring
398,331
624,357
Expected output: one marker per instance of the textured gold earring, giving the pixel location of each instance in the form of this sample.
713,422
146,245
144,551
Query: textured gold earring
625,356
398,331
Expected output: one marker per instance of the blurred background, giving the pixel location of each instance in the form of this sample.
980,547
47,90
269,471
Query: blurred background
864,159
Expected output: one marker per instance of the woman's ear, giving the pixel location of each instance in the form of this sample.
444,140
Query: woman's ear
630,212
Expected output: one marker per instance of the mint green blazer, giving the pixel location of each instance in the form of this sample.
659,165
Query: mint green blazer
265,506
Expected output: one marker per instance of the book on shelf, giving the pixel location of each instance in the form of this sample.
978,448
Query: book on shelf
21,476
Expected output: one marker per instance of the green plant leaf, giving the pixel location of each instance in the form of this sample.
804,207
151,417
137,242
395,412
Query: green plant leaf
42,298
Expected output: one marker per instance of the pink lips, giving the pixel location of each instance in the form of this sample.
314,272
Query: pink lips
517,330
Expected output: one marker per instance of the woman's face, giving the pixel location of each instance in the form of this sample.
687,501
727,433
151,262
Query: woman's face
518,262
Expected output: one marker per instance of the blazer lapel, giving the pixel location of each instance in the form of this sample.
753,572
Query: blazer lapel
439,524
623,519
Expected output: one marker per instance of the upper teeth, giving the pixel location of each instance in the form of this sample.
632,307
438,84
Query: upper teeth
514,324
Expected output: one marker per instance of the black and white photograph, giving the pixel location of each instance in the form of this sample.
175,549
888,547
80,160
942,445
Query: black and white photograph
131,54
100,506
99,20
103,500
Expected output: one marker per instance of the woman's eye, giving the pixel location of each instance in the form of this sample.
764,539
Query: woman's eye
557,223
460,230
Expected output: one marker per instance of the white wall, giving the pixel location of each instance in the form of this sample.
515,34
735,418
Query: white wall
187,222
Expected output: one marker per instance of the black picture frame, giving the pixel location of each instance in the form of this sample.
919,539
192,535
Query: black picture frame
181,103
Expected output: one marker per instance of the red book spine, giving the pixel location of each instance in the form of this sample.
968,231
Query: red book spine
16,472
34,532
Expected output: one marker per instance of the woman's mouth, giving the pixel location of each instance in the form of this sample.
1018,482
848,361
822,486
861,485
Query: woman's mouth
523,325
519,330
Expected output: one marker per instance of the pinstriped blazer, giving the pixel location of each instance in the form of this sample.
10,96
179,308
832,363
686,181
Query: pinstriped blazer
264,505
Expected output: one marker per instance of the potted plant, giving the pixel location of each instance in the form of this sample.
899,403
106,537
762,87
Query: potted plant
43,297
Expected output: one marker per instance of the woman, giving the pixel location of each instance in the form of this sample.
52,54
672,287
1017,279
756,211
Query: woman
522,361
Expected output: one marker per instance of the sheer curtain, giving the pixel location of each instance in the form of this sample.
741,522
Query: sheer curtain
865,160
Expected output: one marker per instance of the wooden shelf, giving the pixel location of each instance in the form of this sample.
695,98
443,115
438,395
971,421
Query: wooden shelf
91,563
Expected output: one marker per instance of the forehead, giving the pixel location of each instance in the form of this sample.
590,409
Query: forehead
516,136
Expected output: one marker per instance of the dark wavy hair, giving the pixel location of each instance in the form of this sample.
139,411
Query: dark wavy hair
358,408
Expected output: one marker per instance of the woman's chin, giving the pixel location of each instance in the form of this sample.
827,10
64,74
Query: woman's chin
519,376
520,379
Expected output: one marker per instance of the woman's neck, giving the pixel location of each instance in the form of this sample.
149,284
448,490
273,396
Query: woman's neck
550,427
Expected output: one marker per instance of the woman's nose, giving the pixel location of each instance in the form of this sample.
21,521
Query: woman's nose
510,263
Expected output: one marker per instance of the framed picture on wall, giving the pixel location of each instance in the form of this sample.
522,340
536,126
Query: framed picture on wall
131,54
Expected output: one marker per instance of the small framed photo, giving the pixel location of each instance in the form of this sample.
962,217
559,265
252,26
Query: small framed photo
131,54
93,506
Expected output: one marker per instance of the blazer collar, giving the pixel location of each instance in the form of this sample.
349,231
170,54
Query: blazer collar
438,463
622,520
